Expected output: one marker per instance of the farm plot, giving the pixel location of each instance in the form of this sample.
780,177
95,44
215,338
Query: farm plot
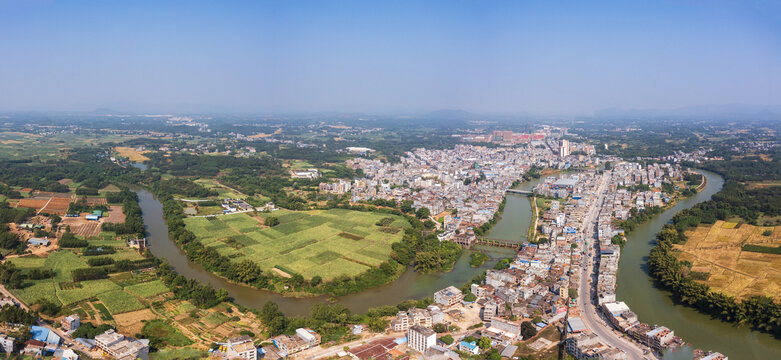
118,302
147,289
327,243
717,251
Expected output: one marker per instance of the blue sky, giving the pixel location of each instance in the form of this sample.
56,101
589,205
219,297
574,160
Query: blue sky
480,56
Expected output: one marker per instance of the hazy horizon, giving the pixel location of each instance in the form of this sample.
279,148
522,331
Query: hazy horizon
480,57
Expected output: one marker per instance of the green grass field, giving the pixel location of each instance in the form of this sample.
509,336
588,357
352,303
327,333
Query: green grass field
327,243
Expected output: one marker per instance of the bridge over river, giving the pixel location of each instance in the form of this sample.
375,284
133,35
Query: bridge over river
520,192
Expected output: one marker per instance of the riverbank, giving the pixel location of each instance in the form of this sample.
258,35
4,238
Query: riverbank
655,306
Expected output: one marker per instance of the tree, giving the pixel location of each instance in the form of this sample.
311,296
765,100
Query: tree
573,293
447,339
316,280
423,212
377,324
272,221
440,328
528,330
484,343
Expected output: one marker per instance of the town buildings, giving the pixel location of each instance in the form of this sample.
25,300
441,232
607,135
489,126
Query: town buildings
304,338
448,296
240,347
70,322
121,347
420,338
7,343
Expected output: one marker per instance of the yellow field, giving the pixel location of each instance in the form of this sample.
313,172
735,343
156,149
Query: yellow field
131,153
716,250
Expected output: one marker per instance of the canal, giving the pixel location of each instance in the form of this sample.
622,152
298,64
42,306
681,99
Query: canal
655,306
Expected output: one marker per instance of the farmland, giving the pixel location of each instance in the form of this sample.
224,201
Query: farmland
63,290
328,243
719,259
131,154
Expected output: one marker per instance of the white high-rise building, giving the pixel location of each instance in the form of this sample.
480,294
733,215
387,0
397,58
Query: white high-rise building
421,338
564,149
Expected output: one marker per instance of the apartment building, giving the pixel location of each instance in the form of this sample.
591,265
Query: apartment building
448,296
241,347
420,338
120,347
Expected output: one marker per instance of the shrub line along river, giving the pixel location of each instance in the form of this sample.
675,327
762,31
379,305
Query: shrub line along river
635,287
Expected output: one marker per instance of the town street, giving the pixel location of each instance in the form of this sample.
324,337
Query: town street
589,313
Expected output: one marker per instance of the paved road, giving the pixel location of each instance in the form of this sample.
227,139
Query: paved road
589,313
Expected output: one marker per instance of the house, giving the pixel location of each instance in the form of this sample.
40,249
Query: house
87,343
121,347
304,338
38,241
7,343
44,335
66,354
421,338
305,174
511,327
377,349
413,316
448,296
33,347
470,347
241,348
70,322
139,244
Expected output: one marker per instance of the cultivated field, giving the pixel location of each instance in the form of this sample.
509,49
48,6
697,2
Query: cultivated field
327,243
48,202
717,250
131,153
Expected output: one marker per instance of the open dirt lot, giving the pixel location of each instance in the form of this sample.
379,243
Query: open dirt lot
717,250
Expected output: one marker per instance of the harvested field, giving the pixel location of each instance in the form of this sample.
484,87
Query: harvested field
82,227
57,206
52,205
47,194
717,250
96,201
131,322
131,153
115,215
36,204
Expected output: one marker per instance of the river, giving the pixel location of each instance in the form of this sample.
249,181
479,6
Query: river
655,306
411,285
